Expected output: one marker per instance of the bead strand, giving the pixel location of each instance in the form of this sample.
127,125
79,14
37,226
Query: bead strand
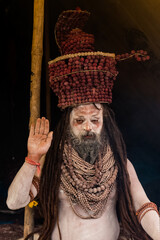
91,183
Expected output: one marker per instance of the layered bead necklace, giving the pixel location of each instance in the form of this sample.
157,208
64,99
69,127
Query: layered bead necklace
88,186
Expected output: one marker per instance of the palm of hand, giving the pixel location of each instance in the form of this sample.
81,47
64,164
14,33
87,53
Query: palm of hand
40,138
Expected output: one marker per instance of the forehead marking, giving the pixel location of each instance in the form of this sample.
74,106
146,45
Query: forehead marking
87,109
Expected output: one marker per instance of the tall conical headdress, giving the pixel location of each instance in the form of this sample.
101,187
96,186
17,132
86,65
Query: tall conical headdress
81,74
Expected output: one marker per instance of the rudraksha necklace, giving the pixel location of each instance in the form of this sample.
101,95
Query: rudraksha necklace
88,186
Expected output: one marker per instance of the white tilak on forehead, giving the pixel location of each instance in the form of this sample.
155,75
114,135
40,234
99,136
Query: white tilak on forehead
88,108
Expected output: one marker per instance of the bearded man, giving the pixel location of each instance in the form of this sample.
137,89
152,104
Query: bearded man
88,188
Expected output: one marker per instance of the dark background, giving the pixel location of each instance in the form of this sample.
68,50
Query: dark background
119,26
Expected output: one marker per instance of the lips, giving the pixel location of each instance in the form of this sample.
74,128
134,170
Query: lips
88,137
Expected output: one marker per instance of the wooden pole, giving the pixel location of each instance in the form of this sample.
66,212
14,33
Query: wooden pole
36,59
36,63
47,54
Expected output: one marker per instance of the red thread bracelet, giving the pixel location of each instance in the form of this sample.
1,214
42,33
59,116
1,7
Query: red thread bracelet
37,164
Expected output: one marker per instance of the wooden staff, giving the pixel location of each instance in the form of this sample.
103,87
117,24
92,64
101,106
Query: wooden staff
36,62
47,54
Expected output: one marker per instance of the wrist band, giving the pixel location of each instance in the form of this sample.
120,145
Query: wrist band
146,208
37,164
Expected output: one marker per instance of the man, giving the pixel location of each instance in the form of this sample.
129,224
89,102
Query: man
88,188
86,124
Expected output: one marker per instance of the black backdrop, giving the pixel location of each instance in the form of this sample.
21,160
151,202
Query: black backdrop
118,26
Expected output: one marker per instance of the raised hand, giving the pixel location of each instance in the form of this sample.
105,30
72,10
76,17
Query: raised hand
39,139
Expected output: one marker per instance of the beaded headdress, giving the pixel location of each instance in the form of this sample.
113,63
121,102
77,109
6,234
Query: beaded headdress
81,74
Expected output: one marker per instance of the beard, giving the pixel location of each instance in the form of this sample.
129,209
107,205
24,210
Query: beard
88,145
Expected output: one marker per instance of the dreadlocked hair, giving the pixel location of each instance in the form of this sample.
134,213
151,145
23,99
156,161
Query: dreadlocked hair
50,178
129,224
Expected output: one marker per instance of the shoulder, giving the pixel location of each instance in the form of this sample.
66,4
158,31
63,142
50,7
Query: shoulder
132,174
131,170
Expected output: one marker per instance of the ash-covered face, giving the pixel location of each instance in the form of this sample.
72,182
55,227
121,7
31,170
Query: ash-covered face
86,122
86,119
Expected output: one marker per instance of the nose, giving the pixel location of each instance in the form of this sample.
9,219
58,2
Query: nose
87,127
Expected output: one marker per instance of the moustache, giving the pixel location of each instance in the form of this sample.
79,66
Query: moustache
89,136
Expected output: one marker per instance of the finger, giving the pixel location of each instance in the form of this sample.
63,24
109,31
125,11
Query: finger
37,127
46,129
42,125
31,132
49,138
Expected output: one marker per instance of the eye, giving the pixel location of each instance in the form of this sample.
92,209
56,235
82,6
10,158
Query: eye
95,121
79,121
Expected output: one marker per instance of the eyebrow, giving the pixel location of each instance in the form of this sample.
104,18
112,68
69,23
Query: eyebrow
79,116
82,116
95,115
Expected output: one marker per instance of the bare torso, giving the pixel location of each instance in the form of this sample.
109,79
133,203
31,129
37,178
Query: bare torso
73,227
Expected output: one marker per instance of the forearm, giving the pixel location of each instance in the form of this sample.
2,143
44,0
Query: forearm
151,224
18,192
39,141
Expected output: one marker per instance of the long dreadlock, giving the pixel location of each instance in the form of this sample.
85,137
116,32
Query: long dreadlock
50,179
125,209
